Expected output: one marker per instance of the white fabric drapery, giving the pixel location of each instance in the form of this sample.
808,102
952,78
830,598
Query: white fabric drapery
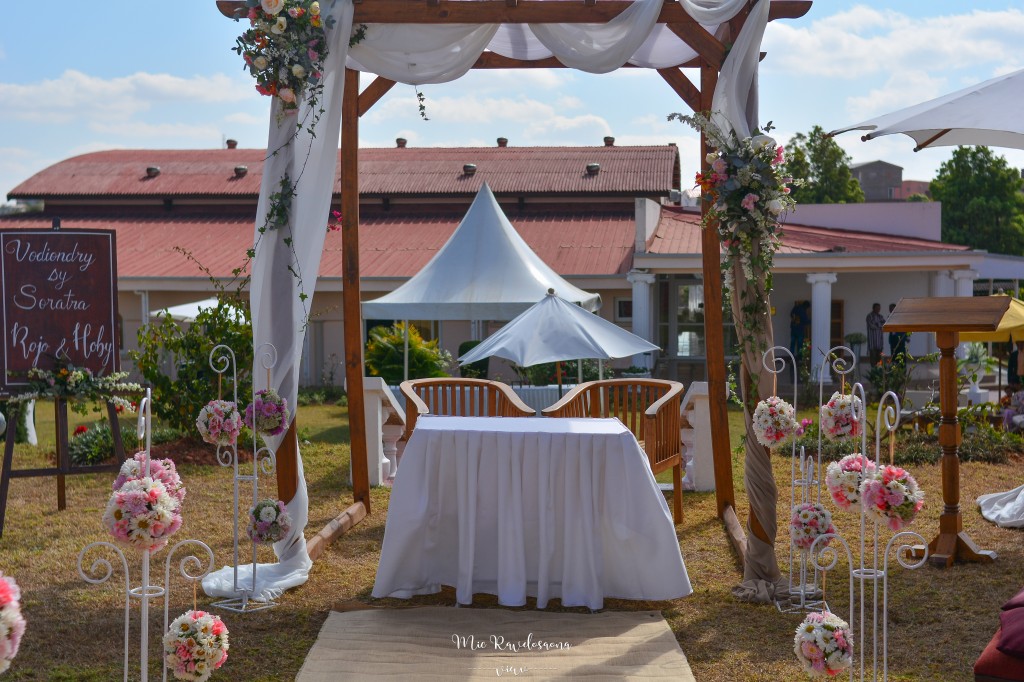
278,313
419,54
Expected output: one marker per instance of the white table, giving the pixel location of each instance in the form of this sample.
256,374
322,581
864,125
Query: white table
517,507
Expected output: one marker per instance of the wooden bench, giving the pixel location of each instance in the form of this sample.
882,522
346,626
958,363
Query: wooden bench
457,397
647,407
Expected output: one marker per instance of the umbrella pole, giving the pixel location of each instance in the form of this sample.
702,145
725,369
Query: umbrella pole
579,371
405,354
558,377
600,369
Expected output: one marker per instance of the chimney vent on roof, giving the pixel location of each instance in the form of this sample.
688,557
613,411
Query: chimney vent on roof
400,142
240,171
152,171
593,168
232,144
469,169
502,141
609,141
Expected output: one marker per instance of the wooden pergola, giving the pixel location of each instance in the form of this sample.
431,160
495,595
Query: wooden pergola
711,52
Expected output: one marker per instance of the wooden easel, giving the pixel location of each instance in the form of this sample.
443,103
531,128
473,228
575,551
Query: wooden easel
64,466
947,317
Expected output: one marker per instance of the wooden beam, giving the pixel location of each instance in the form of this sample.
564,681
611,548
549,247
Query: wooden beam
334,529
705,44
287,466
493,60
685,88
522,12
352,312
714,336
373,92
734,530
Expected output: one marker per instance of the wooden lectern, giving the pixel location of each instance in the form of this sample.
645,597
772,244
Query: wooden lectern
947,317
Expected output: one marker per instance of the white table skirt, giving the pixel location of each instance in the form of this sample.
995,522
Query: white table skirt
517,507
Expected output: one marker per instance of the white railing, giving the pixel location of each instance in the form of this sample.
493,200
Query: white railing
385,423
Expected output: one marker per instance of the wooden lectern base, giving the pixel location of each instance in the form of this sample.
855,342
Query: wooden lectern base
954,544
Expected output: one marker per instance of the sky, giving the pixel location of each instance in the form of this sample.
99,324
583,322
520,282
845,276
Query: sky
149,75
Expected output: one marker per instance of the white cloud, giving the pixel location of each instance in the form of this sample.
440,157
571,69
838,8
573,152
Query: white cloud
902,89
76,95
182,133
863,40
243,118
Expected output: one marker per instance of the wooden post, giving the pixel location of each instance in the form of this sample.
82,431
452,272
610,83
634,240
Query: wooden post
350,283
952,542
287,465
714,337
60,410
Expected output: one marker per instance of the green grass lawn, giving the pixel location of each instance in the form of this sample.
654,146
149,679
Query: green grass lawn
75,629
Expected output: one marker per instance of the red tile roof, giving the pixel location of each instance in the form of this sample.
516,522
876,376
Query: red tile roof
390,246
632,171
679,232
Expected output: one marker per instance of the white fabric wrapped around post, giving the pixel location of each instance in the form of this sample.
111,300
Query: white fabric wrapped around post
279,315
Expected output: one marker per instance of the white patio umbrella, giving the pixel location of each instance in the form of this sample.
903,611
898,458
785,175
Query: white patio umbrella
553,330
989,113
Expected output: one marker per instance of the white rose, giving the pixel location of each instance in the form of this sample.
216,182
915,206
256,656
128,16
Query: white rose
298,71
260,63
759,142
272,6
280,27
286,95
268,514
775,206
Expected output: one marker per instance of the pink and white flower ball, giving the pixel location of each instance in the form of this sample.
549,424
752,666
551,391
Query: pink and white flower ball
774,420
12,623
892,497
142,514
839,416
844,478
219,422
162,470
809,521
823,644
195,645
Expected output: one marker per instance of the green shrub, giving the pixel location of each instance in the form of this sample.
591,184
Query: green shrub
474,370
175,360
386,350
320,395
545,373
92,446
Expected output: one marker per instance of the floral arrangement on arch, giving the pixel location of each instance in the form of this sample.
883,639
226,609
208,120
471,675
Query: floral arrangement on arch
196,644
268,413
823,644
269,522
774,421
839,416
145,511
809,522
219,422
78,385
844,479
891,497
747,187
12,623
284,48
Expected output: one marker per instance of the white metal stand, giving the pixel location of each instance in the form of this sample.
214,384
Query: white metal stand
101,569
222,358
872,566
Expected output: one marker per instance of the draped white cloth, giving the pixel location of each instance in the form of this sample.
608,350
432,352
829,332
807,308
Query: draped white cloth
418,54
278,314
1004,509
550,508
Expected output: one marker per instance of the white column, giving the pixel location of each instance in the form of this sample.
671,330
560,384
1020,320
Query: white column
642,311
821,321
963,285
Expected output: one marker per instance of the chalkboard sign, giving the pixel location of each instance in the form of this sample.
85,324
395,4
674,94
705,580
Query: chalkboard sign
59,298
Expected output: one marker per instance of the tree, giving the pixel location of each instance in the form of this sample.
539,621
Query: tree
825,169
982,204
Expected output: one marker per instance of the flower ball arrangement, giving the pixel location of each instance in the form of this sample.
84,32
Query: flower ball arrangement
162,470
844,478
823,644
268,414
839,416
891,497
12,623
774,421
143,514
268,522
810,521
219,422
195,645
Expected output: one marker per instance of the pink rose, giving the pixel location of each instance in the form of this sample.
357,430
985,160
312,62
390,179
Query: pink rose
749,202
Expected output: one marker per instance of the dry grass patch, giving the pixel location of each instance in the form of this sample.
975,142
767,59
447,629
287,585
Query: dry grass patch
75,628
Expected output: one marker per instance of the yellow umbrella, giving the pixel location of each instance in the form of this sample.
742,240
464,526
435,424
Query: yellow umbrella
1011,326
